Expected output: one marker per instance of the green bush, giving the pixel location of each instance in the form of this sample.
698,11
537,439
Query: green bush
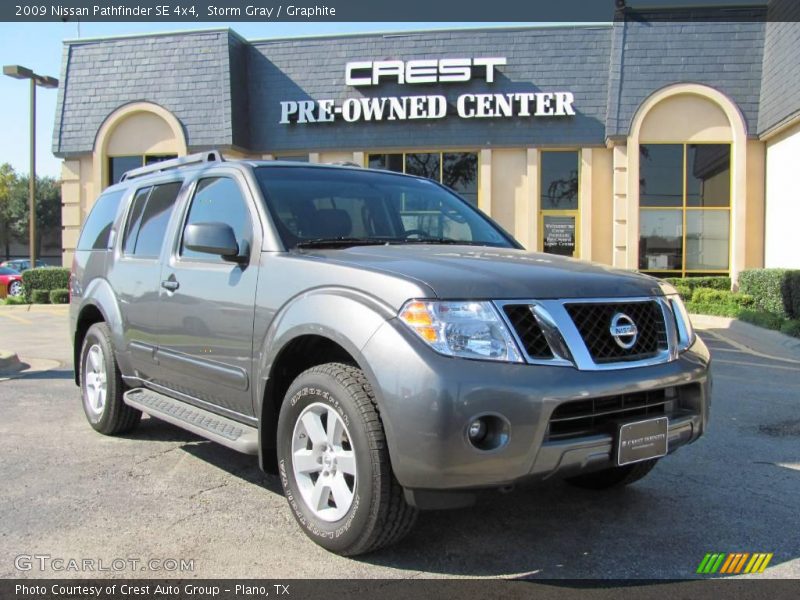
791,327
714,283
719,310
743,300
793,283
762,319
41,296
684,291
44,278
703,295
14,300
771,289
60,296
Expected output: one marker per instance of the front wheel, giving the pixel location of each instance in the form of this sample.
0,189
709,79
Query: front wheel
15,289
334,463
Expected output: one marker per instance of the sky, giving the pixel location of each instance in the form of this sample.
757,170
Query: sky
38,46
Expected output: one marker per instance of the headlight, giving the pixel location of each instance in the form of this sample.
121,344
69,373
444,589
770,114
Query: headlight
461,328
686,335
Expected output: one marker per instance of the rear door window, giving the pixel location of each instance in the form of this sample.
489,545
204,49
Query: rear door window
97,229
148,219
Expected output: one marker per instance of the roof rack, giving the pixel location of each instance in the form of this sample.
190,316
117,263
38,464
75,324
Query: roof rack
174,163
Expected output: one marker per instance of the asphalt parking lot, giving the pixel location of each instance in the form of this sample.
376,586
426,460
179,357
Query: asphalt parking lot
161,493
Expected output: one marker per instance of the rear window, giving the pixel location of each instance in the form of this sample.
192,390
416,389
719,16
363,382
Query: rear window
148,220
97,228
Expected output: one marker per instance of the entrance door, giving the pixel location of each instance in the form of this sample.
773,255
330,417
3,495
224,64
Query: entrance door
207,303
559,212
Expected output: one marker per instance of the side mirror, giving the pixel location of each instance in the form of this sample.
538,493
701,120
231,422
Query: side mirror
212,238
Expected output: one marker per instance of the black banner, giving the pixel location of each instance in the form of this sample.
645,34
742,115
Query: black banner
387,589
369,10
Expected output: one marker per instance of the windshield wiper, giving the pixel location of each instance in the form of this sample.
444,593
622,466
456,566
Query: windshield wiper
342,242
445,241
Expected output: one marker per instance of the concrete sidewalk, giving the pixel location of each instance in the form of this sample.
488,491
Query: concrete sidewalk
770,344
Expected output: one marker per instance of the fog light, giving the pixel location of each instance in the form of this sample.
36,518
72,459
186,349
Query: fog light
477,431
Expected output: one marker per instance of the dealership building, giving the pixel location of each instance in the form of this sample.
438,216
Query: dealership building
663,142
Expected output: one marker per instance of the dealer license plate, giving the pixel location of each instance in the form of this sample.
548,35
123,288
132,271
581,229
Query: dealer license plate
642,440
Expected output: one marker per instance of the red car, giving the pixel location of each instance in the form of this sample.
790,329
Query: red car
11,281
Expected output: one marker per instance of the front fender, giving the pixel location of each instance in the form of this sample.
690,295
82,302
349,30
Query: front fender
345,316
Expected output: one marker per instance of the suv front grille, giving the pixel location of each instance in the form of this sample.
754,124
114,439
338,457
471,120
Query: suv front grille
528,331
593,320
598,415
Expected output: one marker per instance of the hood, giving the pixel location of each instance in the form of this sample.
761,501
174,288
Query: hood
492,273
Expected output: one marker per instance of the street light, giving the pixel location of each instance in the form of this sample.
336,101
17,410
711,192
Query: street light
18,72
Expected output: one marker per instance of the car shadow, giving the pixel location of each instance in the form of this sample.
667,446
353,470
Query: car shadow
53,374
658,529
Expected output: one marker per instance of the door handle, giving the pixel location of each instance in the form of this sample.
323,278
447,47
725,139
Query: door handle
170,284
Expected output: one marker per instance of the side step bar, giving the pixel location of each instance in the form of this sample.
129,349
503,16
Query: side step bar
222,430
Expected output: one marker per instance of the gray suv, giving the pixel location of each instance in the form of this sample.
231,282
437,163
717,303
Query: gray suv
374,339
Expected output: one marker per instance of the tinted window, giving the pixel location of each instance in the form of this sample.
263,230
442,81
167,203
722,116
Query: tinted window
661,175
219,200
7,271
118,165
98,226
708,175
559,173
146,239
134,220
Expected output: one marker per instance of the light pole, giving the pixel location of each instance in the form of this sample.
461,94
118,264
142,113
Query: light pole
18,72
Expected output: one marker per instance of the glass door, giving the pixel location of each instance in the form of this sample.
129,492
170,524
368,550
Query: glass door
559,212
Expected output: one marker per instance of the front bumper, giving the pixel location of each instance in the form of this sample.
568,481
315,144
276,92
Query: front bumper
428,401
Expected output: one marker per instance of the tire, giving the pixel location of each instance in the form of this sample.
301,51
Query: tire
102,386
614,477
15,288
370,512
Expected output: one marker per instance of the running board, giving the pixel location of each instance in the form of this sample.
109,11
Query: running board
227,432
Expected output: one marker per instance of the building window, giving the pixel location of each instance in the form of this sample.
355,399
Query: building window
456,170
684,198
558,202
118,165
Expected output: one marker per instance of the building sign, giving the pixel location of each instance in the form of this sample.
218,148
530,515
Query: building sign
559,235
433,106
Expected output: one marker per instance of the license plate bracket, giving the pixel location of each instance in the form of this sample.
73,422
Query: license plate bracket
642,440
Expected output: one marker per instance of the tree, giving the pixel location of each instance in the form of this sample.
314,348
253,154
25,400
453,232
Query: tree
48,208
8,180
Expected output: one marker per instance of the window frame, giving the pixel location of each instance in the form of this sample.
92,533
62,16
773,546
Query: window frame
191,192
441,154
562,212
685,208
129,197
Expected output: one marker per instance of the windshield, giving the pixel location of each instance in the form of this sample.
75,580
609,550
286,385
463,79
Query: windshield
342,207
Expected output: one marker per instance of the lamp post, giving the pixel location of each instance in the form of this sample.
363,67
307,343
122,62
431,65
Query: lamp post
18,72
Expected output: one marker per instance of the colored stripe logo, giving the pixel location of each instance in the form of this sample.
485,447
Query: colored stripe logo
734,563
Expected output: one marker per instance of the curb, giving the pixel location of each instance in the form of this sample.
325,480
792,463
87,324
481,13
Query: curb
774,344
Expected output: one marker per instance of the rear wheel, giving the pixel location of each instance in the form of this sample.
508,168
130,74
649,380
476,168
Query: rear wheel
613,477
334,463
102,386
15,288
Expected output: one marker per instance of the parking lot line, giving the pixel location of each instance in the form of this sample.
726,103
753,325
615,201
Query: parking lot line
16,318
754,364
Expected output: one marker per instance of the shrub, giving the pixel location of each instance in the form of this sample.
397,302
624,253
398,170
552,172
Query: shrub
793,283
771,289
703,295
791,327
684,291
762,319
743,300
714,283
40,296
44,278
59,296
14,300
